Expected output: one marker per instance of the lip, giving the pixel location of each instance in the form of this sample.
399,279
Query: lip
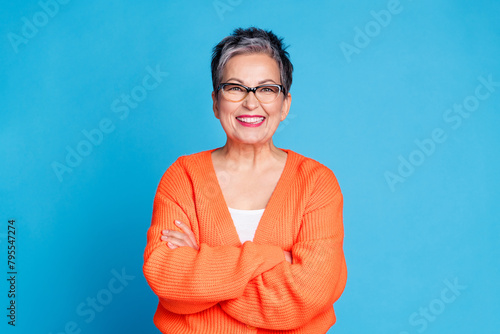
248,124
250,116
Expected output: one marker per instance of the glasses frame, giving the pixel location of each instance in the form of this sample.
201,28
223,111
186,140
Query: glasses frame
249,89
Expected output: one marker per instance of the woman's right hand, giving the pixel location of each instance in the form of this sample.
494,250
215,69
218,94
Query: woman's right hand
177,239
288,256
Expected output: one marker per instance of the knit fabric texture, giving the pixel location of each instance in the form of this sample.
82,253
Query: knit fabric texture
227,287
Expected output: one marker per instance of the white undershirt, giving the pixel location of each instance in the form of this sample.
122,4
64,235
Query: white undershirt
246,222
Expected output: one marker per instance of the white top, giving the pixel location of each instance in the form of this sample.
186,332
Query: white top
246,222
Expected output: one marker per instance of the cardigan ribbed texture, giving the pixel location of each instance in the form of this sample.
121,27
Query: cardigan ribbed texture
231,288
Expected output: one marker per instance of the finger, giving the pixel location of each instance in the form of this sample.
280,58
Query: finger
188,231
173,242
188,237
168,240
184,228
186,240
288,256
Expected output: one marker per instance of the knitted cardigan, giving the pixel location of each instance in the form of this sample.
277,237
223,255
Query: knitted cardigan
234,288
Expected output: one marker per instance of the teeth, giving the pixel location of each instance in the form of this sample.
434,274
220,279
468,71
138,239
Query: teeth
251,119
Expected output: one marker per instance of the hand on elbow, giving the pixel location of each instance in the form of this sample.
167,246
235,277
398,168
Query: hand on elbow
176,239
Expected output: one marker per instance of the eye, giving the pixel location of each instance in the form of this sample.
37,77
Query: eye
233,88
269,89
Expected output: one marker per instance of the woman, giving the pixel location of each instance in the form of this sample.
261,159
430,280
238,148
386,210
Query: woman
247,238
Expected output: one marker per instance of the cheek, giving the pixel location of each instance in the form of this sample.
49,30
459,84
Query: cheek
274,110
226,107
227,112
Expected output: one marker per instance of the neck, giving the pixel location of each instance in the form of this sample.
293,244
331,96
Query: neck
246,157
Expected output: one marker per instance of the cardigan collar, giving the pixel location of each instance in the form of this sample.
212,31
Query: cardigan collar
226,228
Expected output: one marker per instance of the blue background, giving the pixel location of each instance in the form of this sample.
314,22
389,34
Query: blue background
359,113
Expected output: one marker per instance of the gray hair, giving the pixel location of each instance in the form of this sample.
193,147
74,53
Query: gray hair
248,41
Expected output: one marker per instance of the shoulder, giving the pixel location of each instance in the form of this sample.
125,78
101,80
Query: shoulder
319,180
187,161
178,176
315,171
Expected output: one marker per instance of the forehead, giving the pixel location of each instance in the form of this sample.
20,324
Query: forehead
251,68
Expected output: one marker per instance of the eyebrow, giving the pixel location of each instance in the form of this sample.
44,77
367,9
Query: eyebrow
259,83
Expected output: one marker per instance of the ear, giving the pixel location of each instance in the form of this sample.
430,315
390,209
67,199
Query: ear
215,105
285,107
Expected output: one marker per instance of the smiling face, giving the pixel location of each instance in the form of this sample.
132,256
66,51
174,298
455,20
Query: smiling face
251,70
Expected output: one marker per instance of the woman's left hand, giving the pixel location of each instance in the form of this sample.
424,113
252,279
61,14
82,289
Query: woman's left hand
176,239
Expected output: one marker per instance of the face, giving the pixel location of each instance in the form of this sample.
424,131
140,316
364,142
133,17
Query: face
251,70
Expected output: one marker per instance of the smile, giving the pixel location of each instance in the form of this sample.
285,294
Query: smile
251,121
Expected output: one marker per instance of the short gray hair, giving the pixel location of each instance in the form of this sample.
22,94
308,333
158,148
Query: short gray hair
248,41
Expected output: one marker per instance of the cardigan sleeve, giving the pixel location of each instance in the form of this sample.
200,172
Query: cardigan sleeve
290,295
189,281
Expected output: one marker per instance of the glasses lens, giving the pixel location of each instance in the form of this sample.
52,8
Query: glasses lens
234,92
267,94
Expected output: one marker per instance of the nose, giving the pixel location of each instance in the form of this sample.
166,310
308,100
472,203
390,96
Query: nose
250,102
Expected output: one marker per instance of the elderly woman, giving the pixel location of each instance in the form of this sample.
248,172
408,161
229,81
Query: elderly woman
247,238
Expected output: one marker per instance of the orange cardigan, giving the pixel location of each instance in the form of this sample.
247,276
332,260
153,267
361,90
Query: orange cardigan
234,288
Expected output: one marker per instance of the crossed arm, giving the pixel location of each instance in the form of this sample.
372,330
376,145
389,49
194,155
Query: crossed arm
192,279
291,293
259,285
176,239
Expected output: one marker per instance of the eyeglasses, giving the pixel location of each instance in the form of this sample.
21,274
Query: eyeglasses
235,92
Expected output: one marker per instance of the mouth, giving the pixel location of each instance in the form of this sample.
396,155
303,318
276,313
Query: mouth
251,120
